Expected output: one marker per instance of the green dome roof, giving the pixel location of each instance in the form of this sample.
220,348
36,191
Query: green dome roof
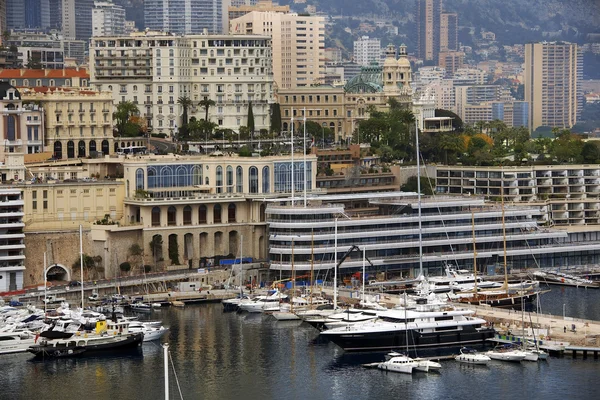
369,80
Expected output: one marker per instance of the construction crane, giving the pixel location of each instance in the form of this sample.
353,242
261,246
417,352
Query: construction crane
350,251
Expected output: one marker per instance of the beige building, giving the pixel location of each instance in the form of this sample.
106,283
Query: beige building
79,123
60,205
342,108
448,31
553,72
236,11
298,43
451,61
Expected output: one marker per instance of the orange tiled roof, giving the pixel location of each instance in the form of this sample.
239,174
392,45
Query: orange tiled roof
44,73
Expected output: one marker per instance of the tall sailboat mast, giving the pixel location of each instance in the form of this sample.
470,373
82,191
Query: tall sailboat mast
474,251
419,197
504,231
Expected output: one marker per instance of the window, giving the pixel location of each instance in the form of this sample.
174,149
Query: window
156,216
219,182
187,215
239,180
139,179
171,216
229,179
253,182
202,214
231,213
34,199
217,214
266,180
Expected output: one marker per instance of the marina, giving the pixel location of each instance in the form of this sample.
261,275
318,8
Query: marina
210,349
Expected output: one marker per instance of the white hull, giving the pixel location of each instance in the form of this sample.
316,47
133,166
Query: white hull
150,335
285,316
531,356
514,356
401,364
16,346
473,359
426,365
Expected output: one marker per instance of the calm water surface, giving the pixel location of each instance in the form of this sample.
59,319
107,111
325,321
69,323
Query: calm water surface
242,356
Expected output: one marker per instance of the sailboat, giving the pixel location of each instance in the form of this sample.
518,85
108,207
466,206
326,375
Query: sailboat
281,315
502,296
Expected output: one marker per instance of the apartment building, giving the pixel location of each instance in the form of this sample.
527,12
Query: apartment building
12,247
448,31
428,14
298,43
155,70
184,16
77,19
108,19
451,61
553,73
49,50
241,8
367,51
569,193
79,122
473,95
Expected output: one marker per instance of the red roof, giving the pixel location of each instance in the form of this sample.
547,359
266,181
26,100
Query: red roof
44,73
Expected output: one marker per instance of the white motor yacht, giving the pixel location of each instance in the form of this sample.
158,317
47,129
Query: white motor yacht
16,342
470,356
400,363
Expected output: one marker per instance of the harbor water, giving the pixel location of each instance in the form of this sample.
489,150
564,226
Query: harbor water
219,355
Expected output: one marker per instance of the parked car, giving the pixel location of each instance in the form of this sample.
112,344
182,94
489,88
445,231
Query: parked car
94,297
74,283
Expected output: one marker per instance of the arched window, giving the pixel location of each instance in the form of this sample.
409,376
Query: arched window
57,150
139,179
92,147
166,176
239,180
171,216
231,213
181,177
217,214
187,215
253,181
105,147
229,179
202,214
152,181
266,179
81,149
155,216
197,175
219,178
70,149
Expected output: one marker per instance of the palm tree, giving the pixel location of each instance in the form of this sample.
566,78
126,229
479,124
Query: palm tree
206,103
185,103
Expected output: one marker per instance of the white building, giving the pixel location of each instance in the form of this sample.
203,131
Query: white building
108,19
367,51
12,248
154,70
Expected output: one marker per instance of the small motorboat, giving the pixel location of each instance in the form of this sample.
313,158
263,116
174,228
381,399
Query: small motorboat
139,306
177,303
156,305
470,356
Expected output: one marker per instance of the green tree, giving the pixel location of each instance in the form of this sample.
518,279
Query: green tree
250,123
173,250
185,103
206,103
590,152
427,185
125,267
318,132
275,118
125,110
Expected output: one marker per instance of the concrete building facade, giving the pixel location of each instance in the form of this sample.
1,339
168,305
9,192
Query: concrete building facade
298,43
77,19
428,16
108,19
553,73
449,32
367,51
12,247
184,16
154,70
